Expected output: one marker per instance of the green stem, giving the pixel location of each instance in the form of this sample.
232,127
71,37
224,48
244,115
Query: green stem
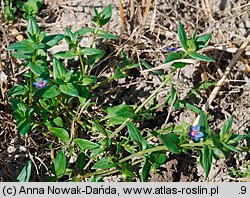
140,153
103,82
32,77
94,36
144,103
81,62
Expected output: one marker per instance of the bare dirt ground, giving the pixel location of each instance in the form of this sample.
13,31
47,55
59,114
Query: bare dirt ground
229,24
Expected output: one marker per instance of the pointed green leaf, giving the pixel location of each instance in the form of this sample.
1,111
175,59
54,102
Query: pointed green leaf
17,90
38,70
201,41
171,141
230,147
175,56
206,160
197,56
106,35
65,54
58,71
59,164
104,163
52,40
145,170
61,133
182,36
33,28
84,144
49,91
118,114
69,89
226,127
135,135
24,46
83,31
23,127
24,175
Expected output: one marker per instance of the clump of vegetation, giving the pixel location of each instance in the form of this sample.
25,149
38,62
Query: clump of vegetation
28,8
50,100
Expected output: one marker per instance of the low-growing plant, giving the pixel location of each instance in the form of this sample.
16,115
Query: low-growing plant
28,8
57,103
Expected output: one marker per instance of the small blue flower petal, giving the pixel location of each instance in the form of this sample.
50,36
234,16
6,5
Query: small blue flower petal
200,135
197,128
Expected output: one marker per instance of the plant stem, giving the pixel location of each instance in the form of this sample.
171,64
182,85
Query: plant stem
103,82
144,103
32,77
81,62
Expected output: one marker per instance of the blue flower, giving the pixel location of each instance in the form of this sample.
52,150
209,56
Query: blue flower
195,133
40,83
173,49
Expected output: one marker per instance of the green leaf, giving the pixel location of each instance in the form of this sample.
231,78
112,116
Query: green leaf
119,73
173,97
17,90
81,161
83,31
38,70
61,133
24,46
118,114
23,127
33,28
84,144
106,35
59,165
58,71
197,56
175,56
87,51
126,171
181,128
88,80
145,170
191,45
105,15
189,106
218,153
58,121
69,89
170,141
226,127
38,46
203,123
24,175
182,36
104,163
49,91
158,159
20,56
201,41
230,147
65,54
52,40
135,135
206,160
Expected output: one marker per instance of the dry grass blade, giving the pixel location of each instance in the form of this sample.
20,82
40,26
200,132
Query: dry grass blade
122,16
210,16
222,80
164,66
146,13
